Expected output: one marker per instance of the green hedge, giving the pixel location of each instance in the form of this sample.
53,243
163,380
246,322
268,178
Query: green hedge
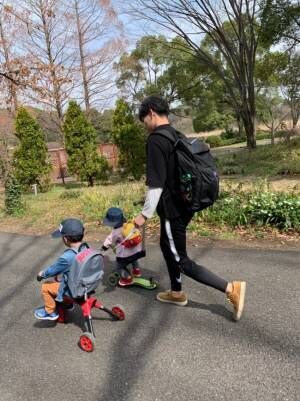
259,208
215,141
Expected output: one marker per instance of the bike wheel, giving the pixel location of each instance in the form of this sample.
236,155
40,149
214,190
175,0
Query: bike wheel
87,342
118,312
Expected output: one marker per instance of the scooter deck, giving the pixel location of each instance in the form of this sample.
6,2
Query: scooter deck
149,284
143,282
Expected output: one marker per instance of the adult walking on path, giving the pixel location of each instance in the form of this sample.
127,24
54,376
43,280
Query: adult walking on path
174,217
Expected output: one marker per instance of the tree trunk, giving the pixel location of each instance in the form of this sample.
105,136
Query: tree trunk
240,125
249,125
82,61
61,170
5,157
56,88
14,97
13,100
295,117
90,181
272,135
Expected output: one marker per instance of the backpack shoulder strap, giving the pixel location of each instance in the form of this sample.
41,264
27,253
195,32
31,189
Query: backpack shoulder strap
73,252
83,246
70,249
174,137
167,134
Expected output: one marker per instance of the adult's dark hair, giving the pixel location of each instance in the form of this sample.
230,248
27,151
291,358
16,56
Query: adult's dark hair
154,103
74,238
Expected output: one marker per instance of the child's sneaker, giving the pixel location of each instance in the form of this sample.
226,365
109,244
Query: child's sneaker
123,282
136,271
237,298
41,314
173,297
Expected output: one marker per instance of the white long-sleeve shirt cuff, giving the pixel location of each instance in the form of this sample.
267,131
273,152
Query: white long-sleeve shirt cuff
152,198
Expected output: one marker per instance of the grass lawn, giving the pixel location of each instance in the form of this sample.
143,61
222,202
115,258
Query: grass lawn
250,172
267,160
46,210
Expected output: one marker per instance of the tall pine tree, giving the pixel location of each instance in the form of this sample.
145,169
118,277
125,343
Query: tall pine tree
30,159
130,138
81,146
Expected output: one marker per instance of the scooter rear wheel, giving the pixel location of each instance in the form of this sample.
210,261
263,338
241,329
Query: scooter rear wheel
87,342
113,279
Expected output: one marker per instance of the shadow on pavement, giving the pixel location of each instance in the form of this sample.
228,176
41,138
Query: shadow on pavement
38,264
215,309
44,324
132,348
131,351
8,251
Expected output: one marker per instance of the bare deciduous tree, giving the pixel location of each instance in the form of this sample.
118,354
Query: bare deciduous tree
14,66
97,33
48,46
13,76
271,111
7,36
291,87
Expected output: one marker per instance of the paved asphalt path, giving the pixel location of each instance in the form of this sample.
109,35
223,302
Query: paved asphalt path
160,352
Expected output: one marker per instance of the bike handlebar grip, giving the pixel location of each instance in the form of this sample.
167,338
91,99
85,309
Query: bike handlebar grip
39,278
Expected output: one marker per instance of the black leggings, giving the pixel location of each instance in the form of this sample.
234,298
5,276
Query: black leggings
173,246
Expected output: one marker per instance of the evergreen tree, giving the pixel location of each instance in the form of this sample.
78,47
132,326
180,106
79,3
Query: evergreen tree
129,136
81,146
13,195
102,122
31,156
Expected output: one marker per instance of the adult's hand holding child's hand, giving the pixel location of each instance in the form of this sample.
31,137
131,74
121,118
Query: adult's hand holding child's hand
139,221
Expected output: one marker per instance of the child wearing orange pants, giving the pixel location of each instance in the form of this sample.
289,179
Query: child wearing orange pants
71,231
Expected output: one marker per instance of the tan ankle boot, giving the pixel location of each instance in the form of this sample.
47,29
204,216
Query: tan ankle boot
173,297
237,298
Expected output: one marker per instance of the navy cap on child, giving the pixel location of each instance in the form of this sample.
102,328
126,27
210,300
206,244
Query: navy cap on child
71,227
114,217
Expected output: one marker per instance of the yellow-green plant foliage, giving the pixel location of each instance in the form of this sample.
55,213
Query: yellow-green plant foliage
96,201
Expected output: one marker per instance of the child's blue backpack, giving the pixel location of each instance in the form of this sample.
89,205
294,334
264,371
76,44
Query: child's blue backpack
86,271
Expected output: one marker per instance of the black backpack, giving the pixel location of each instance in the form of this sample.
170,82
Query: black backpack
197,181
